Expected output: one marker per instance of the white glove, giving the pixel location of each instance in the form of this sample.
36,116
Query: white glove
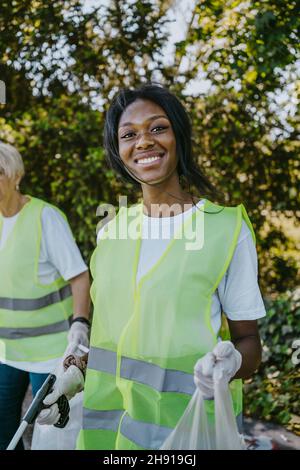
220,364
68,383
79,333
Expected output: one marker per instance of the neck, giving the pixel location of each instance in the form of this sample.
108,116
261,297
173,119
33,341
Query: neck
160,198
12,204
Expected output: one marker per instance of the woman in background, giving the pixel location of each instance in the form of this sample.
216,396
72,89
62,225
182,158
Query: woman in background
44,288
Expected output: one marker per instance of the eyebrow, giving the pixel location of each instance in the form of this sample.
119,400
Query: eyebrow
155,116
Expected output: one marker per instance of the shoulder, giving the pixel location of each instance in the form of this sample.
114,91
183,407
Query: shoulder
228,218
109,225
106,225
47,209
54,220
52,211
240,219
245,233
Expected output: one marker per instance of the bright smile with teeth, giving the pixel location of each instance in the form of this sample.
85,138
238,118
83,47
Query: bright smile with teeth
142,161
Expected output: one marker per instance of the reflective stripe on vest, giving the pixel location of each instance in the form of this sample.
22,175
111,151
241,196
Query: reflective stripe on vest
33,316
162,380
137,431
36,304
144,434
20,333
99,419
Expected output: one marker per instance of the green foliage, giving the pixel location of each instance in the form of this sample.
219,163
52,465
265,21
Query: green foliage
62,65
273,393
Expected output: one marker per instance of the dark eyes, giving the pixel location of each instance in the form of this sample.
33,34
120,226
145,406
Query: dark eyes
130,134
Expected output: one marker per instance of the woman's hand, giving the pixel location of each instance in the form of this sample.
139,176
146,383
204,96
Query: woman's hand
79,334
68,383
224,361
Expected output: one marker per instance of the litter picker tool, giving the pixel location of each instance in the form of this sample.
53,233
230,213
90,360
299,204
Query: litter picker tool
37,405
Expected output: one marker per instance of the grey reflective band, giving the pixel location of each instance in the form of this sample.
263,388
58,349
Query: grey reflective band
102,360
35,304
162,380
20,333
146,435
239,422
101,419
149,435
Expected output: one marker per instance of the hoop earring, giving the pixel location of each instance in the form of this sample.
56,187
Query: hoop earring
17,187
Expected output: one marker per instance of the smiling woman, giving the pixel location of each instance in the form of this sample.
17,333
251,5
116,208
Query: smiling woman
157,331
151,123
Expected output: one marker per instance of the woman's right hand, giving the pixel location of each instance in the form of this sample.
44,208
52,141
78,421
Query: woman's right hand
68,383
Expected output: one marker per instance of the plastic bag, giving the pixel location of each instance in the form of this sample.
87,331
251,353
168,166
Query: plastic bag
195,431
52,438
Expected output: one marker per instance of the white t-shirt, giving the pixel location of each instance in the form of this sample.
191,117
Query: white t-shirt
237,295
59,257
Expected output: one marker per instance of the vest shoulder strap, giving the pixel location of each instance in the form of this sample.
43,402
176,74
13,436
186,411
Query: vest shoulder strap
245,216
241,214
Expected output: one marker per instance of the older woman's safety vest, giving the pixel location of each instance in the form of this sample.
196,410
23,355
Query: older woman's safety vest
33,316
147,336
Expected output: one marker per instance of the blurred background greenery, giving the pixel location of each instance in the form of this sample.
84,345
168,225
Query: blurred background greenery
236,67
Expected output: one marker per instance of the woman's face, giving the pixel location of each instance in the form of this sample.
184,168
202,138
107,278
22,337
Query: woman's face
147,142
7,185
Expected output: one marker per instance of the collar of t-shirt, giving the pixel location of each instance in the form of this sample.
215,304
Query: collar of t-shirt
7,226
165,227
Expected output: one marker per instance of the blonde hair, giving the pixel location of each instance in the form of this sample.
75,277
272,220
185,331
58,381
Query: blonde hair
11,161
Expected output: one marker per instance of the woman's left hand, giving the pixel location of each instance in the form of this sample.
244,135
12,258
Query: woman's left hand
225,359
79,334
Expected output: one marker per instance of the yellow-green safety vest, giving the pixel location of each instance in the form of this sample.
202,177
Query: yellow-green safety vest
147,336
34,317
